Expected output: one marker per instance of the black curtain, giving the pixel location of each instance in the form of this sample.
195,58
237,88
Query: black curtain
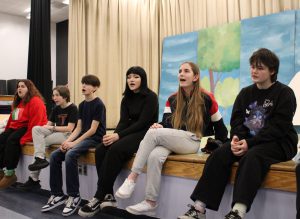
39,54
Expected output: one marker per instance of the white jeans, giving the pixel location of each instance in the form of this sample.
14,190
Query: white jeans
154,150
42,138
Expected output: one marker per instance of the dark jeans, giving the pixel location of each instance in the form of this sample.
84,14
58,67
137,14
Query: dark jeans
111,159
70,158
10,148
252,169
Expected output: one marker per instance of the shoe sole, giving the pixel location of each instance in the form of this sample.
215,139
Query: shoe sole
108,204
84,214
37,168
73,211
54,206
119,195
149,213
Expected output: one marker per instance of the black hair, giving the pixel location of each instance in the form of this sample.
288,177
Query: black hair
268,58
142,73
91,80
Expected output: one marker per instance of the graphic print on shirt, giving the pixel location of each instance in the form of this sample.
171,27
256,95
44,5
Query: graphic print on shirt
61,119
256,116
17,113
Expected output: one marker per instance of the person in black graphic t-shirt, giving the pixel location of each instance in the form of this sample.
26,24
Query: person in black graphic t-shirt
262,133
61,123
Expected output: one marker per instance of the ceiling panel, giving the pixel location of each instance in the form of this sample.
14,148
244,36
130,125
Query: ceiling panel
59,11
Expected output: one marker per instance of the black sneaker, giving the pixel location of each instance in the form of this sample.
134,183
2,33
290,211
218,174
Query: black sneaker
38,164
108,201
233,215
30,185
193,213
71,205
53,202
90,209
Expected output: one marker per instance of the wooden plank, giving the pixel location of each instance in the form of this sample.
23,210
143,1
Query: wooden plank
6,97
280,177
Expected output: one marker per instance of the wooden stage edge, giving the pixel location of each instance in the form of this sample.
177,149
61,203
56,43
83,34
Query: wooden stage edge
281,176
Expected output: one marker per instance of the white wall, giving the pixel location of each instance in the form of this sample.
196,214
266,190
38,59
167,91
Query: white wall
14,41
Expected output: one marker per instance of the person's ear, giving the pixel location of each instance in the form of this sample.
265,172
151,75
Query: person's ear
196,78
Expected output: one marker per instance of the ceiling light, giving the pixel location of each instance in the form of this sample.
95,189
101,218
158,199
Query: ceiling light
66,2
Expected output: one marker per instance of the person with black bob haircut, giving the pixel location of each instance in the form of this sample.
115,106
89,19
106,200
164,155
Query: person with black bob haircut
139,110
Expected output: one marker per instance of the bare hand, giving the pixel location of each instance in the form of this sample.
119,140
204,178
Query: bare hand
50,127
156,126
238,148
66,145
110,139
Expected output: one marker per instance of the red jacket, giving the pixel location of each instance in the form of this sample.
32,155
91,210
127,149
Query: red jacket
29,115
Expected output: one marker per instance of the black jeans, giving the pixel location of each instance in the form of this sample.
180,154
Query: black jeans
252,169
111,159
10,148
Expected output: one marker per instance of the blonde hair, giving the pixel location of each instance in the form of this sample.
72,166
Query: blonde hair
195,107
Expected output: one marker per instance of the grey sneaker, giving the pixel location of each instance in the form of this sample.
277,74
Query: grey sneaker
193,213
233,215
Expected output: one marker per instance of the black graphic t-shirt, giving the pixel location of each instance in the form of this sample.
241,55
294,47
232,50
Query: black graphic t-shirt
62,116
265,115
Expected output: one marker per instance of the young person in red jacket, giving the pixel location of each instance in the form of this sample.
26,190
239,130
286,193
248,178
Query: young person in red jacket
28,110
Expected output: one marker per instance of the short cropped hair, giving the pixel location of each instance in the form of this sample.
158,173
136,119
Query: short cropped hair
91,80
268,58
63,91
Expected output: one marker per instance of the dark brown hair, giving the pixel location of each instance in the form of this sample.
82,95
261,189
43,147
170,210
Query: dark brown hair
63,91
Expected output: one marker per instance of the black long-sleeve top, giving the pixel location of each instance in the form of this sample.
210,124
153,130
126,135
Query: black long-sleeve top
138,113
266,115
212,119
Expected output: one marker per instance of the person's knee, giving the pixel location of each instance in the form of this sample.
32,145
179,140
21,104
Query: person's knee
54,157
36,129
70,157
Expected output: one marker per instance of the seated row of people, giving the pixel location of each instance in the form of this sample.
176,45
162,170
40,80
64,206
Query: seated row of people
261,134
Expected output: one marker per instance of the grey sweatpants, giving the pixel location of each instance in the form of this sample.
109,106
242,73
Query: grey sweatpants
154,149
42,138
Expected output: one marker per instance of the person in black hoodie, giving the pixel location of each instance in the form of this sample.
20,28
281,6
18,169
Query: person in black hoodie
262,134
190,114
139,110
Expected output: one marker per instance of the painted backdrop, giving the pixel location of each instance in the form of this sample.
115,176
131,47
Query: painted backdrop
223,52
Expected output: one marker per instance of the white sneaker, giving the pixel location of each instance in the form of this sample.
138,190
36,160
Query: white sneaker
144,208
71,205
126,189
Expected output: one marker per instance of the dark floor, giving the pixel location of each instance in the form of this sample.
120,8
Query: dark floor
17,204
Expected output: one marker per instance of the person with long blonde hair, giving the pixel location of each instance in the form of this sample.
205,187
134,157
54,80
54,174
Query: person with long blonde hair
190,114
